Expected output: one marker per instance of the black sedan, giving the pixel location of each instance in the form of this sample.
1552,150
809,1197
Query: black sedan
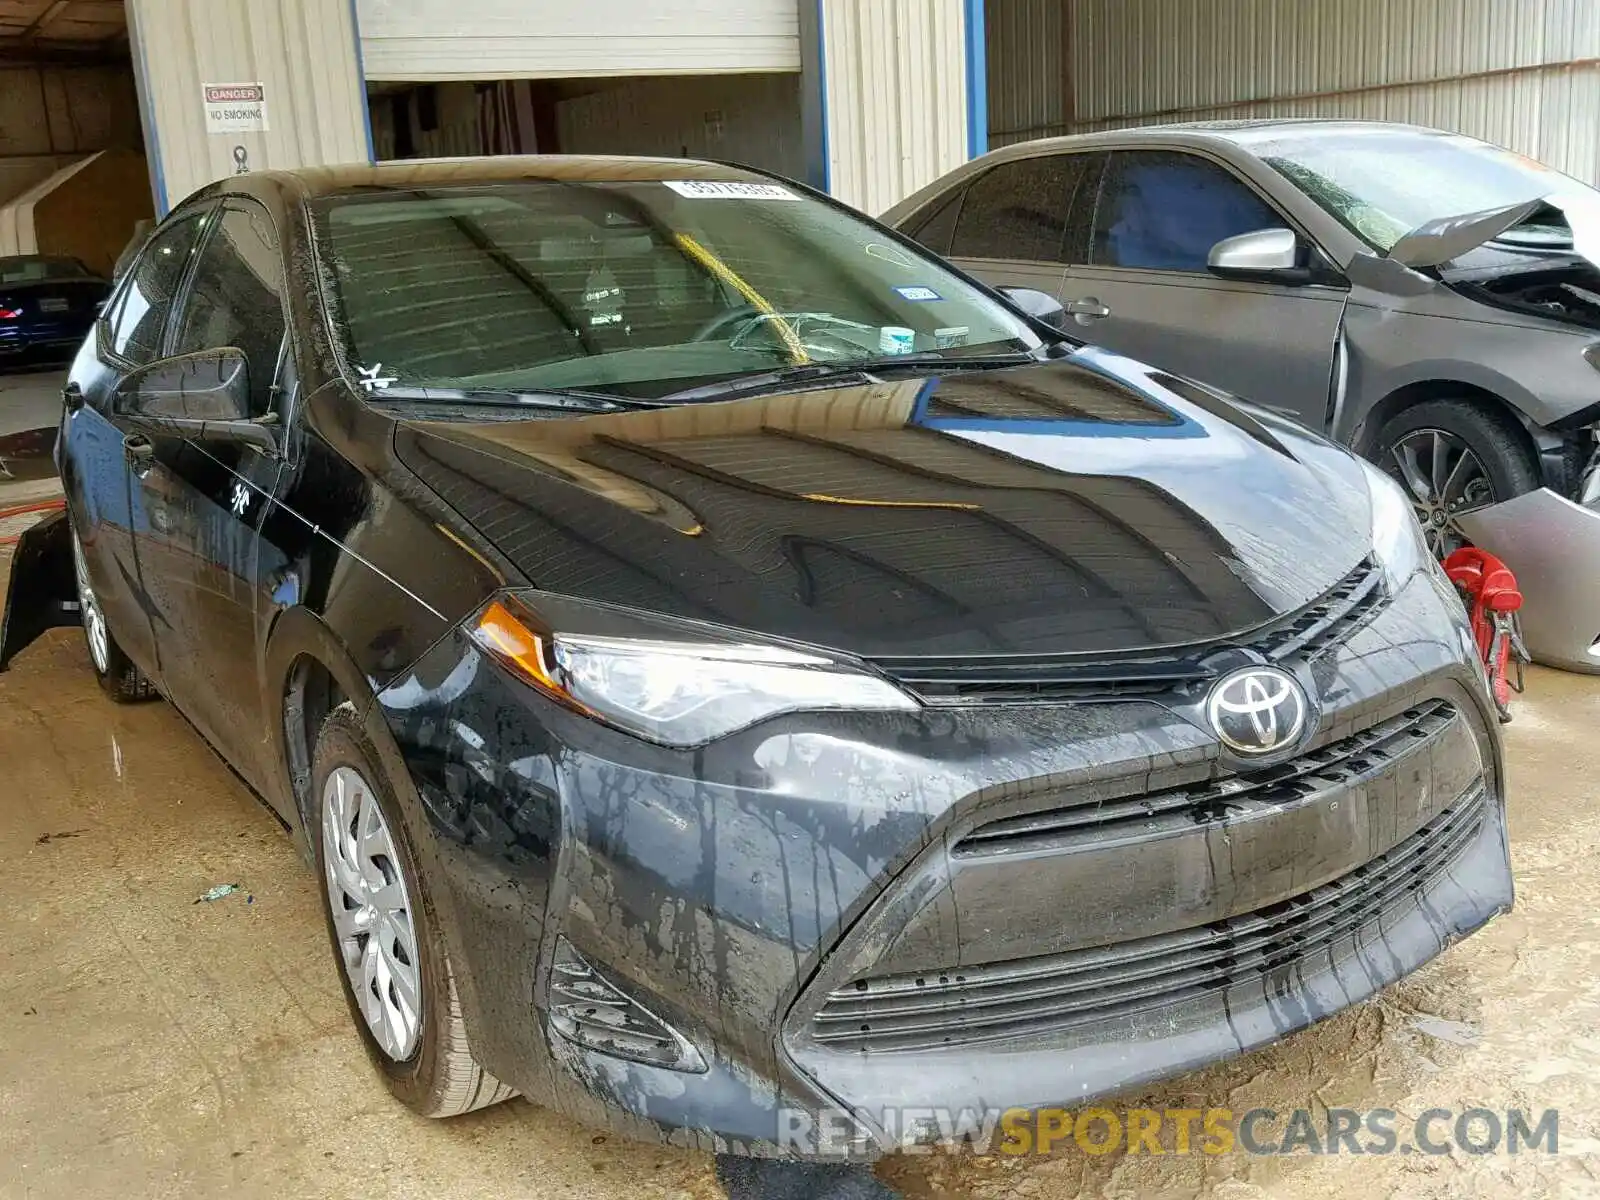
734,674
47,305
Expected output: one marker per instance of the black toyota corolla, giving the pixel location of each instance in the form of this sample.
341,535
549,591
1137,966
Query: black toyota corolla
729,669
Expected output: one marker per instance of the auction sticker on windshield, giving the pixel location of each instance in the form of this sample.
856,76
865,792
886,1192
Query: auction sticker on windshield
716,189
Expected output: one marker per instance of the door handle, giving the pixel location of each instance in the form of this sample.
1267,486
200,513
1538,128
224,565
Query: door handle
72,397
140,452
1088,309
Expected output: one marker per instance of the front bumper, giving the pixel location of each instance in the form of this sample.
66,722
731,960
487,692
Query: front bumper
1553,548
745,892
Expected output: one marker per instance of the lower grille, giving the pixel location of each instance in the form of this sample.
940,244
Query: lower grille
1050,992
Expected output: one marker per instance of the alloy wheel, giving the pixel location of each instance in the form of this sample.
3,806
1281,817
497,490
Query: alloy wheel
372,913
94,621
1445,480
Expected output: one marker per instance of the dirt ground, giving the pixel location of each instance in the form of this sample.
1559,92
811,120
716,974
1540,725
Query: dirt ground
151,1045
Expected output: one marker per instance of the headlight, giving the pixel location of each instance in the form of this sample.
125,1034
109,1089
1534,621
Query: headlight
1398,542
673,683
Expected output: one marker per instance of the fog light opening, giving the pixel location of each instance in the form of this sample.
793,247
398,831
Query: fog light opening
587,1009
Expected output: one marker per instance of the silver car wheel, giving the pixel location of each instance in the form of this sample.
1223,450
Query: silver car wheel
372,913
1445,479
94,621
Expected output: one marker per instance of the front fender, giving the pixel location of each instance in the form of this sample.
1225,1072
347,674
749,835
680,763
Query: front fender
299,634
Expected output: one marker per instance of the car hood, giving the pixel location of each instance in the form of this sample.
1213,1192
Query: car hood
1088,505
1444,239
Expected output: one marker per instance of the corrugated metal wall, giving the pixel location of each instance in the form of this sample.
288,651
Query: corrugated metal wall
502,39
896,96
1523,73
1028,48
66,110
51,116
303,51
752,119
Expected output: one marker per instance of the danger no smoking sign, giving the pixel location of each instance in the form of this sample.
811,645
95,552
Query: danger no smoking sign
235,107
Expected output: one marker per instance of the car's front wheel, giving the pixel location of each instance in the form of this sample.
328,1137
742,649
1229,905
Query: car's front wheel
114,670
1453,456
396,968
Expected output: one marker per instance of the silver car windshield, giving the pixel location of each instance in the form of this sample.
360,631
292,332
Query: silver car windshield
1384,183
637,289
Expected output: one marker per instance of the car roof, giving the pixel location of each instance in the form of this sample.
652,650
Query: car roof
442,172
1241,133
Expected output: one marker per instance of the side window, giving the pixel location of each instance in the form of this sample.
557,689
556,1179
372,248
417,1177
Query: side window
141,313
1028,210
236,298
936,231
1163,211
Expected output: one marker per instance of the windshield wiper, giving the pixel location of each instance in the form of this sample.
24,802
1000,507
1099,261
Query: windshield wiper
765,381
563,399
891,362
862,370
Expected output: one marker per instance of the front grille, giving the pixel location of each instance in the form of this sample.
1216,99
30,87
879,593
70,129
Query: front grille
1052,992
1327,766
1315,630
1056,679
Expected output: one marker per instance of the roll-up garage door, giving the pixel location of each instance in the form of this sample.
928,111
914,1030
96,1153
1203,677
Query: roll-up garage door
508,39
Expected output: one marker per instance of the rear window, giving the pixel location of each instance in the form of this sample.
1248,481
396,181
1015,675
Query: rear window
37,270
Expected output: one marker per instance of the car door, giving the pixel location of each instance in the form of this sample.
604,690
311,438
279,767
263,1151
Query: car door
103,492
199,553
1014,225
1145,289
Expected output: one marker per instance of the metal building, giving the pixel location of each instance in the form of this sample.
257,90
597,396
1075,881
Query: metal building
867,98
1522,73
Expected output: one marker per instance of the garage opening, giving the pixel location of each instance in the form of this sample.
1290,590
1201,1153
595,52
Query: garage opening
73,176
749,118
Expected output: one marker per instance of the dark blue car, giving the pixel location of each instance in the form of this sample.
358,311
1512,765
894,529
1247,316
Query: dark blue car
47,305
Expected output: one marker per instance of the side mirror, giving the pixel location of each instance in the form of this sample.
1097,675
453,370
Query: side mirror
1041,306
1270,255
205,396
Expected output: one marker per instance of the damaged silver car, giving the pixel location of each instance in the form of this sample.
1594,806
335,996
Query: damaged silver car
1430,299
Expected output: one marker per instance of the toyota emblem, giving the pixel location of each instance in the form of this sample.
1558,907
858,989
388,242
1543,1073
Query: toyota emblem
1257,710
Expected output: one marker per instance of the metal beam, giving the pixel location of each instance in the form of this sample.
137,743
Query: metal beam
14,53
45,19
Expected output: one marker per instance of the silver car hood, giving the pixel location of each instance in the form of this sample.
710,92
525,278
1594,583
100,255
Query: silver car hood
1437,242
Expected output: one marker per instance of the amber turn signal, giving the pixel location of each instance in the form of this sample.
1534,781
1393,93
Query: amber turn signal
506,635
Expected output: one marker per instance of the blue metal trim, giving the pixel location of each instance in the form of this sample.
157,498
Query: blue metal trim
361,78
147,115
977,81
822,96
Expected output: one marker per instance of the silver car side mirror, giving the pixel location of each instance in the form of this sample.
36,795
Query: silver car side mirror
1262,253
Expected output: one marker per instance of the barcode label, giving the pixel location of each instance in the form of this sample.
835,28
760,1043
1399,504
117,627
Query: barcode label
708,189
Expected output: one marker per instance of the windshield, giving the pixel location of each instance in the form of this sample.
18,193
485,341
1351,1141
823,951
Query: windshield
1383,183
31,269
635,289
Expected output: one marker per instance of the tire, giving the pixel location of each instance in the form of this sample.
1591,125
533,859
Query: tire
1449,431
428,1064
114,670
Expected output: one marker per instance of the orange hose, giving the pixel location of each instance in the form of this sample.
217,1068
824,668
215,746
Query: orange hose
22,510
